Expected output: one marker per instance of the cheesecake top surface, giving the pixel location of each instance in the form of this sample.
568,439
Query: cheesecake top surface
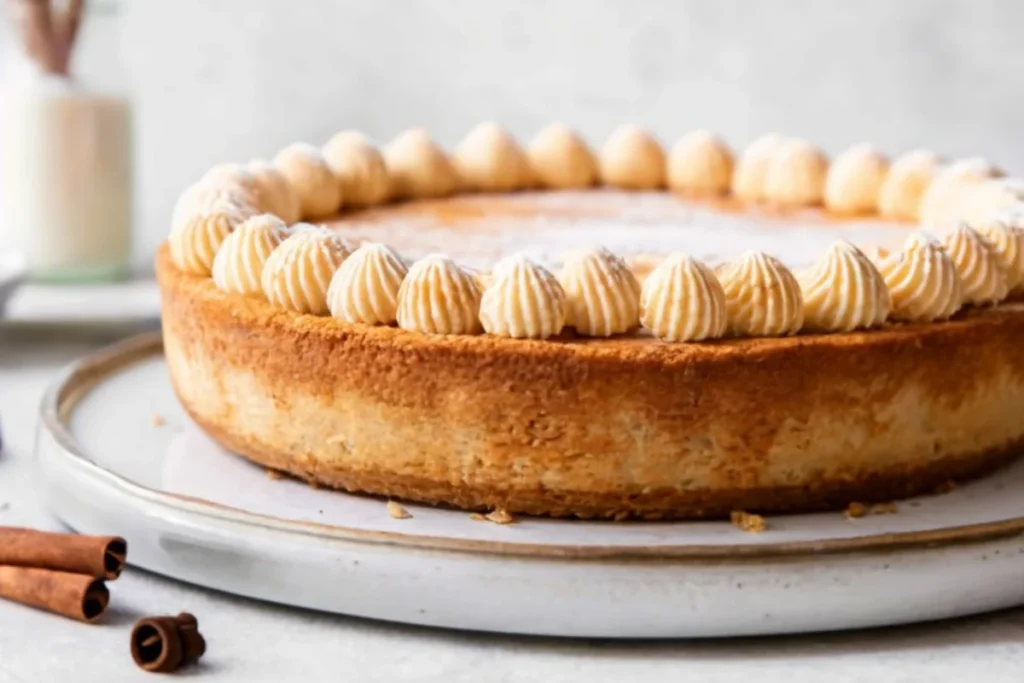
479,229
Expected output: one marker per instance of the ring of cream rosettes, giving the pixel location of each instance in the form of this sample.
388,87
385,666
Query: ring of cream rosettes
240,225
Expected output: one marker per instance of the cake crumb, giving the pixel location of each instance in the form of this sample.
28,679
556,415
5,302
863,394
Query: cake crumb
396,511
497,516
274,474
747,521
945,487
885,509
337,438
855,510
500,516
158,420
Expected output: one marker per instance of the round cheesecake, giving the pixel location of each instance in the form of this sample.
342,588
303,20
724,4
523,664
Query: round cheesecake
622,426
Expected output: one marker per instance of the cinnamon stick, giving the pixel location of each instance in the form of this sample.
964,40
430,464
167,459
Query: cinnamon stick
48,34
77,596
65,31
100,557
163,644
34,21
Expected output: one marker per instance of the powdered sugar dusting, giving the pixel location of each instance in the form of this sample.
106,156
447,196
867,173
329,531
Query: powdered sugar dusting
478,230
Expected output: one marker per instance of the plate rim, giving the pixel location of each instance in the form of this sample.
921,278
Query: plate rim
77,379
13,272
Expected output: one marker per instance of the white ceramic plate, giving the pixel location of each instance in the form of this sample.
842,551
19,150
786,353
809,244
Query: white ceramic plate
129,304
193,511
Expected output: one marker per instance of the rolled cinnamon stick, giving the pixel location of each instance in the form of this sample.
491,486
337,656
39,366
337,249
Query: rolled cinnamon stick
35,23
163,644
77,596
101,557
65,30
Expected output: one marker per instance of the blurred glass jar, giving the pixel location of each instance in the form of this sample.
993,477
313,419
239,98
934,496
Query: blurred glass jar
66,152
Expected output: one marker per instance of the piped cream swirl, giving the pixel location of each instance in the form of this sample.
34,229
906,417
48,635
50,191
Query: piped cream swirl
844,291
748,176
318,190
762,296
1006,235
700,164
365,288
922,281
238,178
796,175
359,167
855,179
978,266
524,301
297,274
990,198
280,198
907,180
947,198
201,223
632,159
238,266
204,197
418,167
682,301
561,159
439,297
602,294
490,160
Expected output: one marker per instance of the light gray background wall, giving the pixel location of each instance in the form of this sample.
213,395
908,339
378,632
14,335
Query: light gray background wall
223,80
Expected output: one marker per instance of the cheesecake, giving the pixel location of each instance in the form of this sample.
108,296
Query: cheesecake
632,332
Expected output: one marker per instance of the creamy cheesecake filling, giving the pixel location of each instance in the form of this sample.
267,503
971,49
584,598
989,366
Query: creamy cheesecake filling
479,230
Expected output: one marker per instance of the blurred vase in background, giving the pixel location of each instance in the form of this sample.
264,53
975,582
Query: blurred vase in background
65,141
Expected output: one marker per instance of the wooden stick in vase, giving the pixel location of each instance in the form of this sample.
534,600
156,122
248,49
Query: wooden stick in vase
65,32
34,23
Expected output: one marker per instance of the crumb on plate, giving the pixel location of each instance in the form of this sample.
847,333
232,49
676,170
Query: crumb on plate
396,511
747,521
855,510
498,516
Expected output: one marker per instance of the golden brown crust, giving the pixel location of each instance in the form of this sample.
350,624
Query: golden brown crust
653,505
599,427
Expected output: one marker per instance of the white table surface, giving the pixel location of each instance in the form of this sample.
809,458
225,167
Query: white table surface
251,641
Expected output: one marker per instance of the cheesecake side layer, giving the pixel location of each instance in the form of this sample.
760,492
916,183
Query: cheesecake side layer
598,428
